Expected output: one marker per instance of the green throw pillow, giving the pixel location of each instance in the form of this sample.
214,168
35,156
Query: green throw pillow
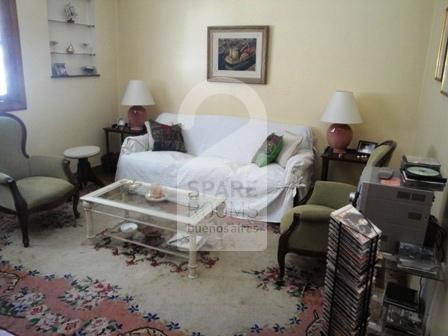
269,151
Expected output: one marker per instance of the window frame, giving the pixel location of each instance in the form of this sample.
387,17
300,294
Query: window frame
15,99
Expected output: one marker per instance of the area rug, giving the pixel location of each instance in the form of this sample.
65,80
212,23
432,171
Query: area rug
62,286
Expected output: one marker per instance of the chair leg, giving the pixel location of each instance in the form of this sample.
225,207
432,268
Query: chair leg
281,256
75,203
23,220
283,245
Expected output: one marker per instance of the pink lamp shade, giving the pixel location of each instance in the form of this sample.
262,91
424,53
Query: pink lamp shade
340,112
136,96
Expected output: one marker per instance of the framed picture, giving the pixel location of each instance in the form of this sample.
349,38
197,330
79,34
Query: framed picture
366,147
444,89
443,50
59,70
237,53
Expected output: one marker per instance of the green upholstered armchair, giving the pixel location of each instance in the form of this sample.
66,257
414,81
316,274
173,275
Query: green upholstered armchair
304,229
30,184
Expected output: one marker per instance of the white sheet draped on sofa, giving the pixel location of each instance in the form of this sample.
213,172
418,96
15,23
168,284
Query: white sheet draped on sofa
220,151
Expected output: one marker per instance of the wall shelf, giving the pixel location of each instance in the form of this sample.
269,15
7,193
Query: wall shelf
72,54
78,35
75,76
72,23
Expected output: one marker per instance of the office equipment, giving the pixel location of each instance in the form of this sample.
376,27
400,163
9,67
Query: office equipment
401,212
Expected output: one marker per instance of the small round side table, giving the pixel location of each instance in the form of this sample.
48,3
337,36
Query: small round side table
85,173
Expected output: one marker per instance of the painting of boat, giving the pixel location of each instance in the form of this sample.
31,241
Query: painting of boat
237,54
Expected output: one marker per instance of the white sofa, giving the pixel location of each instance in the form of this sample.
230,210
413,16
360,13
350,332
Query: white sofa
220,150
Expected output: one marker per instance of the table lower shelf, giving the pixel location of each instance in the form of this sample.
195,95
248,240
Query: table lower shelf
162,244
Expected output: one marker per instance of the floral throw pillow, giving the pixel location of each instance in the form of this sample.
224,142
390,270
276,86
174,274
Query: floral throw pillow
269,151
167,137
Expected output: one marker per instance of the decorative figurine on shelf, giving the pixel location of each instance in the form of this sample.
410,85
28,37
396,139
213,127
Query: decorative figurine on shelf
70,49
70,13
89,69
53,45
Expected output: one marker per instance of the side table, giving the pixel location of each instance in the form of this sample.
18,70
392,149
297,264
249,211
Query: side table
110,159
350,156
85,172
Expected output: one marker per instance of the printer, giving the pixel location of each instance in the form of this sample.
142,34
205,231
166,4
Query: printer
401,212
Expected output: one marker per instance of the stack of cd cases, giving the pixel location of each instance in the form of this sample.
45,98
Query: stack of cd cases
353,243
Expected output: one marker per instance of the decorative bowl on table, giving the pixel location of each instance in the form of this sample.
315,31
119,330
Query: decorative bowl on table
132,187
155,193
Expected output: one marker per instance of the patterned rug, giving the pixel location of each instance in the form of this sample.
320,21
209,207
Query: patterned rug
59,286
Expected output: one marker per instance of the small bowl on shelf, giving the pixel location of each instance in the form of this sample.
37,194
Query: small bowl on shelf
128,229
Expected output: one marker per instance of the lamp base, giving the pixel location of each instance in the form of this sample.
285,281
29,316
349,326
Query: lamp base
339,137
137,116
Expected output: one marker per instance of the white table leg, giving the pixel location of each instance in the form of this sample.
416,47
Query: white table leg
89,222
125,198
193,254
218,219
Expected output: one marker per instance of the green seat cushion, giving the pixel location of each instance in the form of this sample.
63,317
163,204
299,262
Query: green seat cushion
312,234
37,191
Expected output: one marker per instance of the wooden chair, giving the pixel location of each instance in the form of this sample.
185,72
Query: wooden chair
30,184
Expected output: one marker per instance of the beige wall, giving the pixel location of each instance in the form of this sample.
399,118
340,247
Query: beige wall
374,48
432,140
63,113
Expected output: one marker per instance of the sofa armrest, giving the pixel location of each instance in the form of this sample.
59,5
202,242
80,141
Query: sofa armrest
135,144
5,179
10,183
299,173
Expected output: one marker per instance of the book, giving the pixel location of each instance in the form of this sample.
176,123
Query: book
403,320
417,257
181,241
401,296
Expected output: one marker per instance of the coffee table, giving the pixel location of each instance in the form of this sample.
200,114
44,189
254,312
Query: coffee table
181,220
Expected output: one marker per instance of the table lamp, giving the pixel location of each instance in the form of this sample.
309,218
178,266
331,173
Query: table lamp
340,112
136,96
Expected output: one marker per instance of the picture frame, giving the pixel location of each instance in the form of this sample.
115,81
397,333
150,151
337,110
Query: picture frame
444,89
366,147
59,70
237,54
443,51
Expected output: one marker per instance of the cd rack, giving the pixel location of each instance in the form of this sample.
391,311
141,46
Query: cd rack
351,258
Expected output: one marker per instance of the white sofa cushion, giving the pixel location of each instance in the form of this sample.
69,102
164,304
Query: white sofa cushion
291,147
161,167
233,138
220,176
